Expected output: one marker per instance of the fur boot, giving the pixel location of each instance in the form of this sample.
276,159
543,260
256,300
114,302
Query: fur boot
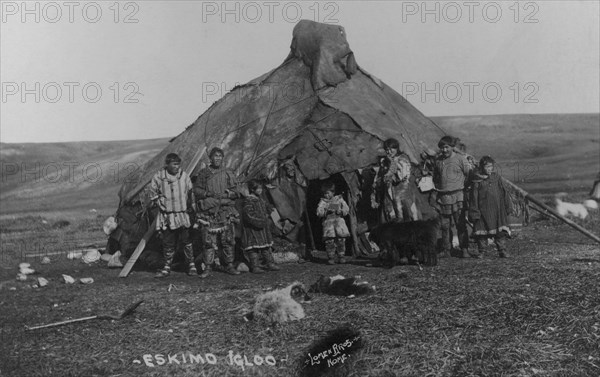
330,249
340,247
208,259
254,260
267,255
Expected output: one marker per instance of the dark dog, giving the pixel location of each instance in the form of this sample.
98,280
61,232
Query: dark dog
341,286
410,239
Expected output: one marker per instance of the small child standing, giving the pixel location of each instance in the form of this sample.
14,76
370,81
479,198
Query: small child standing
332,208
171,191
256,233
489,207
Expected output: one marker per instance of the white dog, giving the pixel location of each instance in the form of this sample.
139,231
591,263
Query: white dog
280,305
569,209
590,204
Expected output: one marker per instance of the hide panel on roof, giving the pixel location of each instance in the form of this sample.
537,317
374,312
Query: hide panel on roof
332,143
381,111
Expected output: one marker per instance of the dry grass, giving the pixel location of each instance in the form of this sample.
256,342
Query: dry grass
535,314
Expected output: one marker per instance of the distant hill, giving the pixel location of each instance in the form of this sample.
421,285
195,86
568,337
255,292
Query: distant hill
69,176
543,153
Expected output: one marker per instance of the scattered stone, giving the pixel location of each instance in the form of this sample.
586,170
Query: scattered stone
86,280
242,267
25,269
42,282
21,277
75,254
68,279
46,260
115,260
91,256
285,257
110,224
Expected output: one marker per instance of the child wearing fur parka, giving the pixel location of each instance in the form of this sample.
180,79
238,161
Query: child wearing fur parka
332,208
489,207
257,240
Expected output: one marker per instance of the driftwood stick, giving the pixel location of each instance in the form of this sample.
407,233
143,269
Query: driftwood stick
138,251
529,197
125,313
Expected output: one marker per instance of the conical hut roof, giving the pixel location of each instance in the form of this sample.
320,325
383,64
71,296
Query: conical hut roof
318,107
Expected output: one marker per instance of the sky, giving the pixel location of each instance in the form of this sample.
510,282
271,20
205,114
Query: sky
121,70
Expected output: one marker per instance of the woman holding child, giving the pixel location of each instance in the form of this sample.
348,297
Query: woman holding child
392,192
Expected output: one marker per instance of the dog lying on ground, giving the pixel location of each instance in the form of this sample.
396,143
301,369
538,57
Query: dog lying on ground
569,209
590,204
416,239
341,286
280,305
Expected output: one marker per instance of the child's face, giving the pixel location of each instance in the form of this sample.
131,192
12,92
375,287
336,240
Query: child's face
258,191
488,168
328,194
290,171
391,152
173,167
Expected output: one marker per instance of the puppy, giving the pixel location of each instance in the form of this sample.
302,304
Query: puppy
341,286
280,305
415,238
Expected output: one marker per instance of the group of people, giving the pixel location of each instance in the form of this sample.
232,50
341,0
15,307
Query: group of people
470,193
465,193
206,207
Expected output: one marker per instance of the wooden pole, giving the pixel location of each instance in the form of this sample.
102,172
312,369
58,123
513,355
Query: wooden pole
138,251
528,196
309,229
353,227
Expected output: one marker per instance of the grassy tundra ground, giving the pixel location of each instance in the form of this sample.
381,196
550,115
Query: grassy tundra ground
535,314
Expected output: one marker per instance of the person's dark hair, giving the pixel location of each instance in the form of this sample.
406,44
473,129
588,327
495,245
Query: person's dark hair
253,184
485,160
447,140
391,143
215,150
328,186
172,157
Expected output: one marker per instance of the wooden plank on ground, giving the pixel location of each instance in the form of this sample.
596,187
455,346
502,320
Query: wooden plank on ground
138,251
